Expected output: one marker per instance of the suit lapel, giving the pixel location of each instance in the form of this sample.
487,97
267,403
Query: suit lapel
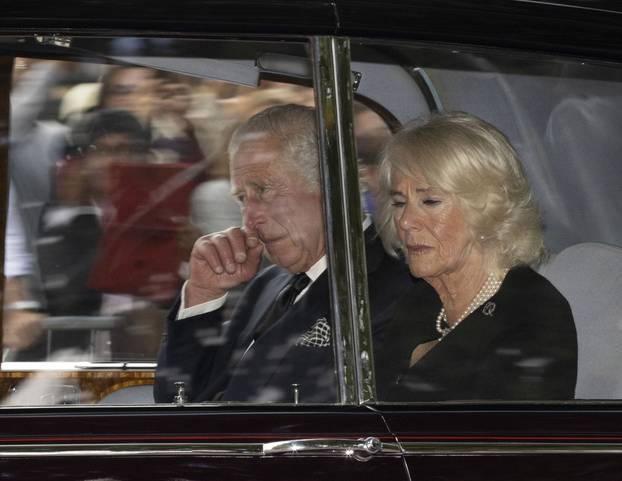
264,302
272,349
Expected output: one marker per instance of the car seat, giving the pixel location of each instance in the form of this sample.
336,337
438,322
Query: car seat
589,275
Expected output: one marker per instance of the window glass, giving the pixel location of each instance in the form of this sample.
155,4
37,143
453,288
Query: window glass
502,199
119,162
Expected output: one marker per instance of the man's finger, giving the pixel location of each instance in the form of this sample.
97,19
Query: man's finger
237,240
205,251
254,253
222,244
252,239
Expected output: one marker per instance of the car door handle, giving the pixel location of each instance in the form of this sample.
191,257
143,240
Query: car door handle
360,449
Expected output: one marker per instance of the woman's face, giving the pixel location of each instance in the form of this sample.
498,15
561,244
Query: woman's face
431,225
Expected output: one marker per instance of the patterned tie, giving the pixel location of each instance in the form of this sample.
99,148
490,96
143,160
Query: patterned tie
282,303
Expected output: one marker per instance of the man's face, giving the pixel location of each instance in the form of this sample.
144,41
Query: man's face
278,203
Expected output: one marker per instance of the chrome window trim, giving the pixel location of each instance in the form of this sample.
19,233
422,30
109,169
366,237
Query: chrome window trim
76,366
342,204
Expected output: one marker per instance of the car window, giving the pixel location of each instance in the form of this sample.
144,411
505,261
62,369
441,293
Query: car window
500,194
121,158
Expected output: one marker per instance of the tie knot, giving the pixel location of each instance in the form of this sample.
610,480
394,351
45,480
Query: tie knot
282,303
299,282
294,287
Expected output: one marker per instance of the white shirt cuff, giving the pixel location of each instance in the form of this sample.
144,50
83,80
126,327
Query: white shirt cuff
204,308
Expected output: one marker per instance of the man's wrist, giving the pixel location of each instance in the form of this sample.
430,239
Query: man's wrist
198,309
194,295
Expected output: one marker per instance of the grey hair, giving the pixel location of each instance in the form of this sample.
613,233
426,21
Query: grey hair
472,160
295,129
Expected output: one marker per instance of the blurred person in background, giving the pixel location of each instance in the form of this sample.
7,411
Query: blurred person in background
73,223
36,142
371,133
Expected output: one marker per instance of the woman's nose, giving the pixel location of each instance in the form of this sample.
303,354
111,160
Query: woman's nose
410,219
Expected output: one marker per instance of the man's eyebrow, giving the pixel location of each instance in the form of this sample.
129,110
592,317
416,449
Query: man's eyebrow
395,192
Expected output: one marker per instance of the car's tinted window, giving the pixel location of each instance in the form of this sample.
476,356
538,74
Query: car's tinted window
115,171
514,336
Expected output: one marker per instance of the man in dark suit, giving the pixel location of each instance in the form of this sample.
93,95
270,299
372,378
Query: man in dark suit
279,338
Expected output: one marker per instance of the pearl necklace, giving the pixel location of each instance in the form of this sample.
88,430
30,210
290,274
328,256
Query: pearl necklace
488,289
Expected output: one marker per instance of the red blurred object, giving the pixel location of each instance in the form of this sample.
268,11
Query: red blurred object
148,208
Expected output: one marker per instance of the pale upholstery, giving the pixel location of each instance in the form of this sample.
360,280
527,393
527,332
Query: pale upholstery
589,275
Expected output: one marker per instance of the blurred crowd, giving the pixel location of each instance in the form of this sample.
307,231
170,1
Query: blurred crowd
115,171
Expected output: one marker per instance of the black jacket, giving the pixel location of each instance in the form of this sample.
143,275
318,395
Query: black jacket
520,345
217,365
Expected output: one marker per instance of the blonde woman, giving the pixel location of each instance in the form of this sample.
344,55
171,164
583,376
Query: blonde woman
481,323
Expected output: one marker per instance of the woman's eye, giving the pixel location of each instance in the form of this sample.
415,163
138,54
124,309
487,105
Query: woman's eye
398,203
431,202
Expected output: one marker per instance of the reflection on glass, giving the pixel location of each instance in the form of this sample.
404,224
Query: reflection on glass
116,171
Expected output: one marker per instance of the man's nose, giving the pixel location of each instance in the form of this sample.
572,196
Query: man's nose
251,213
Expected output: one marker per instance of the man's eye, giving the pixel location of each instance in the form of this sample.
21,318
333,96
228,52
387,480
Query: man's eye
398,203
262,190
240,199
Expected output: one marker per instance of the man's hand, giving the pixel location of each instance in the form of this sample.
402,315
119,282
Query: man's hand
220,262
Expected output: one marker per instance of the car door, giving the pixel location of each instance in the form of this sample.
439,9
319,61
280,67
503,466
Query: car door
81,332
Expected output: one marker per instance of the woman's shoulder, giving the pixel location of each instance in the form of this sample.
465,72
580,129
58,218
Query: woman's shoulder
523,278
527,291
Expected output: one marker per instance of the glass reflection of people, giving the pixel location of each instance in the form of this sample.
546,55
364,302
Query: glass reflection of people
275,179
371,134
128,88
483,325
173,135
72,225
21,325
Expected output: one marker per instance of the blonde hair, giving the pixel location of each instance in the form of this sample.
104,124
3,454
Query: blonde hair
472,160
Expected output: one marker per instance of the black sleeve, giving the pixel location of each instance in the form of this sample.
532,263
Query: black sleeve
187,353
198,350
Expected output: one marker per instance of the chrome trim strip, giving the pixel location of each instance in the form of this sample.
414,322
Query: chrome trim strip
335,448
448,449
182,449
334,96
131,449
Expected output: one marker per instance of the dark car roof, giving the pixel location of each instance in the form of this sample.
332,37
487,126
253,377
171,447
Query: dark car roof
583,28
